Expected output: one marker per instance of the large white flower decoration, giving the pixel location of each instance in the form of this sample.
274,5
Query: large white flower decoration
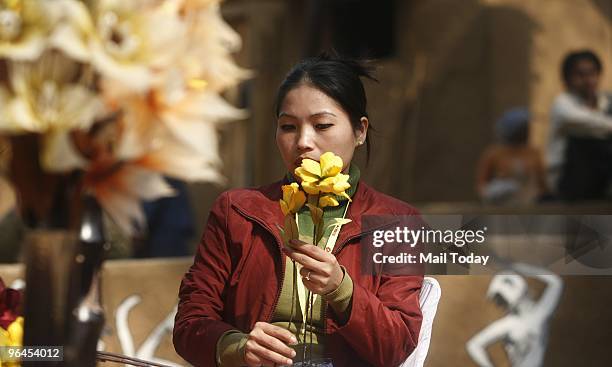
126,91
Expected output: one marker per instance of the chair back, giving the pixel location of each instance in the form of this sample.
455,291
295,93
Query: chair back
428,300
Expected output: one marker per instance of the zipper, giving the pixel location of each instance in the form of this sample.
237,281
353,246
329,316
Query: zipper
337,250
278,245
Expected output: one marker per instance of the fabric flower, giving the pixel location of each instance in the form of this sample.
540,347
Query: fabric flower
336,184
125,91
323,176
293,199
44,97
13,335
328,200
120,188
331,164
128,46
208,55
24,27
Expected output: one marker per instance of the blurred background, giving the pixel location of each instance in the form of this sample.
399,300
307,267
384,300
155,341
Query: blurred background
448,71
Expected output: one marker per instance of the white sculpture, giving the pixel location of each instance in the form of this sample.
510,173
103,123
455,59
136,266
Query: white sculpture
149,346
524,329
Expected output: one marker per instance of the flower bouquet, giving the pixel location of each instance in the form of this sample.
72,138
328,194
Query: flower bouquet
321,182
321,185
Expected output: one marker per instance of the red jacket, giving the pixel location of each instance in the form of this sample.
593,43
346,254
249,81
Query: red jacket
235,281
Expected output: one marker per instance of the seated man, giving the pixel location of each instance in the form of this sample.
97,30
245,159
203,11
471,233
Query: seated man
511,171
580,142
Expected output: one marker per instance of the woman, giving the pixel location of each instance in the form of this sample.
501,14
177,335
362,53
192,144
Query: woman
237,304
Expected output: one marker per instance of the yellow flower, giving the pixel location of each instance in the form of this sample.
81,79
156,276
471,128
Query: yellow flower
13,335
336,184
327,200
293,199
331,164
309,171
15,331
323,176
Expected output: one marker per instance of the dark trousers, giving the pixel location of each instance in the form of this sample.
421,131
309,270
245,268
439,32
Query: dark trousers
587,172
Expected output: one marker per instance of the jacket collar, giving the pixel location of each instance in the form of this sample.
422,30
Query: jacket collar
262,206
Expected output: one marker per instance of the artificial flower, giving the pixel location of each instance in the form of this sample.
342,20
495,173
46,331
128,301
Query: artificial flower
128,46
323,176
209,55
293,199
104,58
331,164
73,30
336,184
120,189
193,115
44,97
328,200
24,28
175,133
13,335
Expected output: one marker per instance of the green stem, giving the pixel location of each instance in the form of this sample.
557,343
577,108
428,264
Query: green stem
293,292
316,240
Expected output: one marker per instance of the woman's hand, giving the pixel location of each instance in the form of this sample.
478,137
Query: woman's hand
321,272
267,346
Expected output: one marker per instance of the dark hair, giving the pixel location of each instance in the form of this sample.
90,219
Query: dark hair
339,78
571,59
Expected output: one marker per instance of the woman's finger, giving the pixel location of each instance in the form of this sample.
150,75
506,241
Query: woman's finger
313,277
322,281
298,243
306,260
278,332
253,360
266,354
274,344
313,251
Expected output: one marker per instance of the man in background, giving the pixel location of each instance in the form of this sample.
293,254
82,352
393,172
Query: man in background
580,142
511,172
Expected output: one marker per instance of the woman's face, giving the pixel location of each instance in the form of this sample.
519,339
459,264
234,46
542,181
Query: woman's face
310,123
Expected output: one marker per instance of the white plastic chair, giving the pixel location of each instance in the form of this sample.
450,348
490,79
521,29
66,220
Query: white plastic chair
428,300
